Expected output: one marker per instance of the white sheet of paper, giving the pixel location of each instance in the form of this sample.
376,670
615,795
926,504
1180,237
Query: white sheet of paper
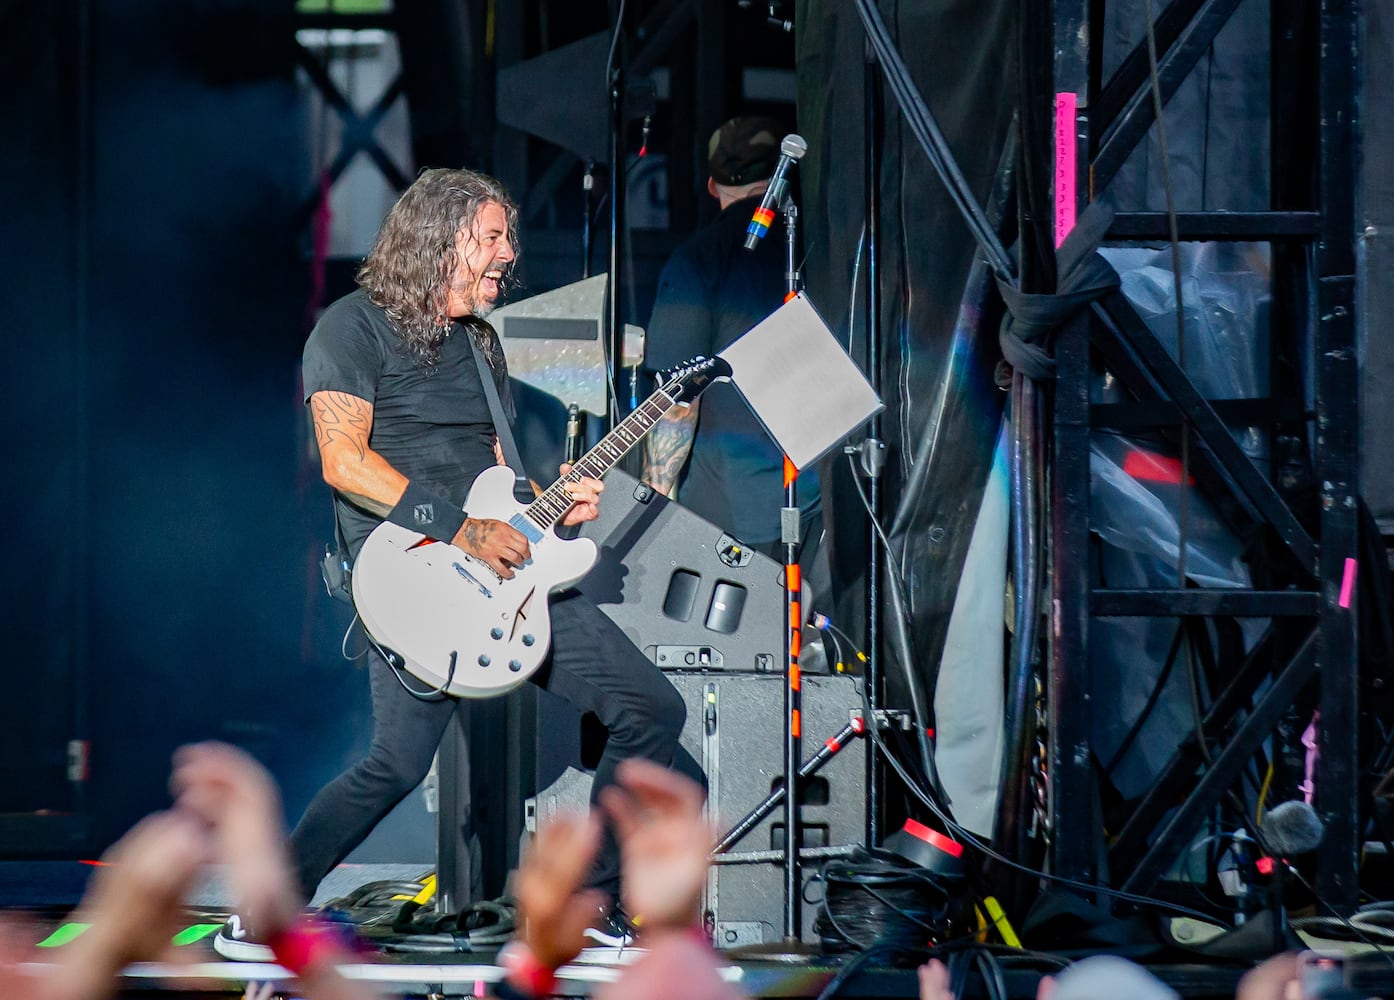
800,382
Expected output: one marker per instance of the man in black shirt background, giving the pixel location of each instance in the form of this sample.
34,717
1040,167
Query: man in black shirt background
714,456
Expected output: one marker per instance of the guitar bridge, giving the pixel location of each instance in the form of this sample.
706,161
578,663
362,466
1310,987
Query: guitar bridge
473,579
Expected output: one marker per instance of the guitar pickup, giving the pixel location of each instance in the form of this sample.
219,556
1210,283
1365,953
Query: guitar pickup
472,579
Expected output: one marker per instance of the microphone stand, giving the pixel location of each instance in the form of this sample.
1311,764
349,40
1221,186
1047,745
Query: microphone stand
790,531
614,332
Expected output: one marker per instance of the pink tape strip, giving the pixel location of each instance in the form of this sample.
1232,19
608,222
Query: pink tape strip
1348,582
1065,160
1309,740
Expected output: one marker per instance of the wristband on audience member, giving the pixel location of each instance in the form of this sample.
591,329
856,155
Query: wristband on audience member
423,511
305,945
524,971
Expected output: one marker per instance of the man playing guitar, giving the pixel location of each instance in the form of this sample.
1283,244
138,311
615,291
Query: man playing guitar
403,428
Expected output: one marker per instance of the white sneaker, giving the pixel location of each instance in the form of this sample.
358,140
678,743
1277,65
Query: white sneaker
614,941
237,944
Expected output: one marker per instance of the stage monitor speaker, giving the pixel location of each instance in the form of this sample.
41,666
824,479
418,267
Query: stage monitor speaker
735,730
688,594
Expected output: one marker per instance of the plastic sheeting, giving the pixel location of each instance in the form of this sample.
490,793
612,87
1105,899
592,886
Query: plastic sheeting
969,701
1226,291
1136,497
1134,507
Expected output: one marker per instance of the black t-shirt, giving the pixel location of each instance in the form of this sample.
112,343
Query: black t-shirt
710,293
431,423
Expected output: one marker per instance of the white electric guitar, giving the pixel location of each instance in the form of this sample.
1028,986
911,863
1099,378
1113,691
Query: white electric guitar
453,622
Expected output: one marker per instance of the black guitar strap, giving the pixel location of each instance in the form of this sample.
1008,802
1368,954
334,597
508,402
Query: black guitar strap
521,485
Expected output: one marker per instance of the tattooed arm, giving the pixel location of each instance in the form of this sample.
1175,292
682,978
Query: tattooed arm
667,447
343,423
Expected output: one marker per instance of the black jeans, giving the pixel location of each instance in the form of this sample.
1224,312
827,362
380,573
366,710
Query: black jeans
592,664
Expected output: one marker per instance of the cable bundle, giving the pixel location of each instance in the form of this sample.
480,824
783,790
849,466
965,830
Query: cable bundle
875,899
397,916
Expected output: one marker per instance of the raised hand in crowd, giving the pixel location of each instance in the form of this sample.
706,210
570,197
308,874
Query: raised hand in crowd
665,847
1272,979
237,800
665,844
934,981
134,905
553,910
227,811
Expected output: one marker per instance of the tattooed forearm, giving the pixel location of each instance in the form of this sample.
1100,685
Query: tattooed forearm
368,503
667,447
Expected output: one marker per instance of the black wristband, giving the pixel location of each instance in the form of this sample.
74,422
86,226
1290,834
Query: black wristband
433,516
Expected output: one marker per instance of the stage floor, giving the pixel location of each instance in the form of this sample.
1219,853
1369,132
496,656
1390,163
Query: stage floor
42,895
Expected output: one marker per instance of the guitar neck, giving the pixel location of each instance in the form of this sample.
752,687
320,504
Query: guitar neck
553,502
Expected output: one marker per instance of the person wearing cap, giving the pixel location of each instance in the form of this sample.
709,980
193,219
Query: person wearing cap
714,457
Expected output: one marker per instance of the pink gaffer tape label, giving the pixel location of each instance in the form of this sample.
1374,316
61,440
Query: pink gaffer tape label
1348,582
1065,188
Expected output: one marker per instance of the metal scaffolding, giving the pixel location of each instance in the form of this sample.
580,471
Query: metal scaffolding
1311,625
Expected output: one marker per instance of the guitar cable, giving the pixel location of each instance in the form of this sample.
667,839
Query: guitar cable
435,694
390,658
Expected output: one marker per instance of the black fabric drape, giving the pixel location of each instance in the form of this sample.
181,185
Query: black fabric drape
938,357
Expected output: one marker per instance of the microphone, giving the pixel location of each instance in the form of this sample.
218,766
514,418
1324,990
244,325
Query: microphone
1292,828
1289,829
572,448
791,150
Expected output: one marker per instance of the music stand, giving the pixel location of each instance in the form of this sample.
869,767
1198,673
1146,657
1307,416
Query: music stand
790,348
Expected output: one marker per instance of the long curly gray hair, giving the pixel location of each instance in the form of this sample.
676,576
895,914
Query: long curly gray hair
408,270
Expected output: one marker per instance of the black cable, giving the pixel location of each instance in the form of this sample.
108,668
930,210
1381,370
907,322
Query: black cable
343,643
968,837
1383,952
988,968
434,694
1136,728
614,44
1183,505
376,894
905,655
854,966
926,130
876,898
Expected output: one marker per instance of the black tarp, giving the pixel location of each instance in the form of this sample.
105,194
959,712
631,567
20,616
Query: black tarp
942,407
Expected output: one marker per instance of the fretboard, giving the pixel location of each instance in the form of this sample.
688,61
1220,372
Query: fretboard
553,503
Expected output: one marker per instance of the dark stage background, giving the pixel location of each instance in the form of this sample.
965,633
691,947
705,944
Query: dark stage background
156,579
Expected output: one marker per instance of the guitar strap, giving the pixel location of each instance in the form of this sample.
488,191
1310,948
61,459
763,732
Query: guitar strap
521,484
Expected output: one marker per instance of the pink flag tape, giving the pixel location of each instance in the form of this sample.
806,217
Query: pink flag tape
1065,159
1348,582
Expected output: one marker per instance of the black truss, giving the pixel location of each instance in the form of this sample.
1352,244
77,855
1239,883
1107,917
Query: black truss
1174,64
1311,633
359,129
1216,226
1205,776
1130,345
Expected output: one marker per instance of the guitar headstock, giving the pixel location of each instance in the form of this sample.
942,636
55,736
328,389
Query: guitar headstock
686,381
